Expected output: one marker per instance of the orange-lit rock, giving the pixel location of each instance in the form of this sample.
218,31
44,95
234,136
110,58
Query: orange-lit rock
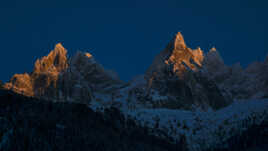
45,74
55,61
179,77
198,56
176,72
21,83
56,77
178,57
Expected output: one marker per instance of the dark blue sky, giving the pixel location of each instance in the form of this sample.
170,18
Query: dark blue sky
126,35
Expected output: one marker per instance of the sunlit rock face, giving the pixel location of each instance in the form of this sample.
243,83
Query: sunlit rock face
61,79
55,61
21,83
177,73
178,57
46,71
179,77
45,74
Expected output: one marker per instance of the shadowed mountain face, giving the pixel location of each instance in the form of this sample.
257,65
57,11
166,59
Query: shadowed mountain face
179,77
239,83
38,125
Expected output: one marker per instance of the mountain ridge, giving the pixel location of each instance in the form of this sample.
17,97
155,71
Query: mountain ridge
185,77
187,100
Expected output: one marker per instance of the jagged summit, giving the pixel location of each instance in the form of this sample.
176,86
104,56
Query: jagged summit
59,47
179,77
179,41
88,55
213,49
213,58
59,78
45,73
175,73
55,61
177,57
82,57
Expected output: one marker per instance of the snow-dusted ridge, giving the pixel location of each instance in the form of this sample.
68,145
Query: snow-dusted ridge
203,130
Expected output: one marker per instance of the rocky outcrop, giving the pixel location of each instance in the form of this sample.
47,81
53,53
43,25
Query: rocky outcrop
55,61
45,74
177,73
174,75
21,83
251,82
83,78
55,77
93,73
179,77
47,70
239,83
177,57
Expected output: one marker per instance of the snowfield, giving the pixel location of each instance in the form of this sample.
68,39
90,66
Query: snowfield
202,130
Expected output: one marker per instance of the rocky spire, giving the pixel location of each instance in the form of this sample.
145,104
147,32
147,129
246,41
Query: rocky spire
179,41
213,49
21,83
214,57
45,73
176,56
175,71
55,61
198,56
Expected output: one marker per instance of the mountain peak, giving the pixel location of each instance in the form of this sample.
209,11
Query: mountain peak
88,55
213,49
56,60
58,50
179,41
82,58
176,56
59,45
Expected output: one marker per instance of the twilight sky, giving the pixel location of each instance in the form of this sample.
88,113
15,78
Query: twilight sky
126,35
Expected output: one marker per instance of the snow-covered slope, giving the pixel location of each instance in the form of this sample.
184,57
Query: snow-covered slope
203,130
